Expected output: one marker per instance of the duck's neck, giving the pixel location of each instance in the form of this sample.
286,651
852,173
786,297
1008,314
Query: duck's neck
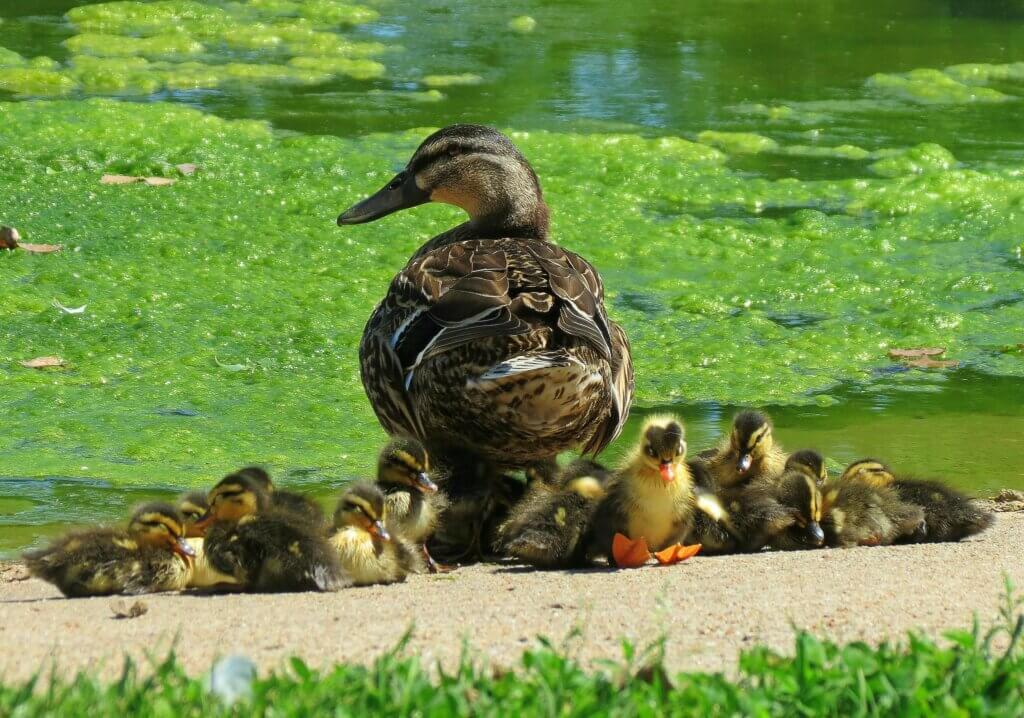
514,207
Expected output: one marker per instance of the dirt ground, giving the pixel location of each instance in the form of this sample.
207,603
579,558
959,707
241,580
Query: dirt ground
709,608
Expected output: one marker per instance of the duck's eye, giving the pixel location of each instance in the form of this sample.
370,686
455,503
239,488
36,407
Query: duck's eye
453,151
397,182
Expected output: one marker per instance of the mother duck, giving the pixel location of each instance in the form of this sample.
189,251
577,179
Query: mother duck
491,340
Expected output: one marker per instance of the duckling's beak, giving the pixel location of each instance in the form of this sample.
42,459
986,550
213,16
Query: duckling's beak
182,548
423,482
377,529
668,471
815,533
744,463
201,524
402,192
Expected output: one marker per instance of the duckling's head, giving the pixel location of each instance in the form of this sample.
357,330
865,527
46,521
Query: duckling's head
362,506
258,476
192,506
472,167
236,496
870,471
160,525
799,492
751,438
809,462
663,447
405,462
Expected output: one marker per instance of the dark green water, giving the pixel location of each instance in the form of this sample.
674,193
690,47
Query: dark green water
796,72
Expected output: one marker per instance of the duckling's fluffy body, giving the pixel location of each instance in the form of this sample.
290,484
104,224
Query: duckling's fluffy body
650,496
140,559
949,515
264,547
860,514
369,559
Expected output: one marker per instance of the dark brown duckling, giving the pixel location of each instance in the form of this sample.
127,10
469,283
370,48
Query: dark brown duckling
863,513
949,515
748,454
300,506
263,547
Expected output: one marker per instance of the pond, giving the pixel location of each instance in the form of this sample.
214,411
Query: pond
777,194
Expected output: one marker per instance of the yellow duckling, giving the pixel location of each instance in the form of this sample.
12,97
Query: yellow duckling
368,552
748,454
263,547
412,502
650,496
150,555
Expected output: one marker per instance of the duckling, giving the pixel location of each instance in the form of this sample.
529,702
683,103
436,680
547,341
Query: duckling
302,507
949,515
545,528
192,506
150,555
748,454
784,513
650,496
859,512
368,551
264,547
412,501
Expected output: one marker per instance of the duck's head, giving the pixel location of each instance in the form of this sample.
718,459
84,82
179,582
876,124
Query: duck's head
362,506
192,506
404,461
751,438
870,471
472,167
810,463
160,525
799,492
663,447
235,497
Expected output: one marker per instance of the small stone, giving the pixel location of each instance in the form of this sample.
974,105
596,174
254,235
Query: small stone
122,609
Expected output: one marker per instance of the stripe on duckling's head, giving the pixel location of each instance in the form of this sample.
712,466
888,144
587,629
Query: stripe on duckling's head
156,520
809,462
871,471
238,495
358,502
192,505
750,430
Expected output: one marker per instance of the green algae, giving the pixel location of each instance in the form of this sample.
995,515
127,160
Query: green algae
737,142
359,69
466,78
984,73
34,81
926,157
241,265
523,24
166,45
929,86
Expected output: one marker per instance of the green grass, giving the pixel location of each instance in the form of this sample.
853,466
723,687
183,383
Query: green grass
964,675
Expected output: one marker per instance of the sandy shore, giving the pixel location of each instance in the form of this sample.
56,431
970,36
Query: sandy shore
709,608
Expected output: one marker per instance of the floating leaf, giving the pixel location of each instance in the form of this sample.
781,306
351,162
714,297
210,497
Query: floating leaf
158,181
926,363
119,179
42,362
9,238
70,310
916,352
677,553
628,553
121,609
186,168
40,248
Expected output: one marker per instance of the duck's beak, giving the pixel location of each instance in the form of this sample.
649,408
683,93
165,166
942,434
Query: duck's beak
668,471
182,548
815,533
423,483
744,463
377,529
400,193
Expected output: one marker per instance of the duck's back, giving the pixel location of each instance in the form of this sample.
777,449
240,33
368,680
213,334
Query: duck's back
503,343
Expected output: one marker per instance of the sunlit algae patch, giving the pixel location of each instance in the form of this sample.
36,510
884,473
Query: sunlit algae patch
233,295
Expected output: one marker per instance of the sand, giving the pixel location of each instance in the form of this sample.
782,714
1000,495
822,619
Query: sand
709,608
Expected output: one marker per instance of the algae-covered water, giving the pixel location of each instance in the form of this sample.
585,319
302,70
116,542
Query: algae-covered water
777,194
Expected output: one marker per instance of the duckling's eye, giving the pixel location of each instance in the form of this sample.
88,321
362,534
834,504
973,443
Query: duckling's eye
649,450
